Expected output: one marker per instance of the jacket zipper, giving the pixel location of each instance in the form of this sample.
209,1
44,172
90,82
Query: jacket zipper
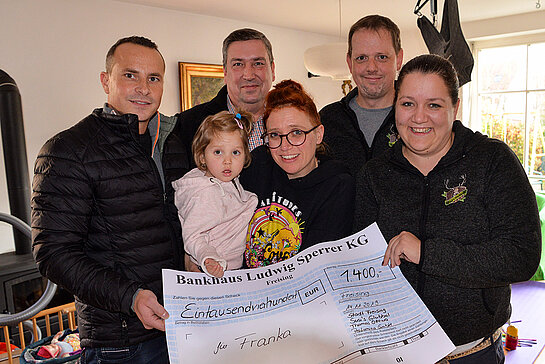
421,280
174,241
125,331
177,258
422,229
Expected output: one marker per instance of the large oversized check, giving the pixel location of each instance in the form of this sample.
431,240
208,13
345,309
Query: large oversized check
331,303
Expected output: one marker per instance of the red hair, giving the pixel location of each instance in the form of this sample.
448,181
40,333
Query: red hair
289,93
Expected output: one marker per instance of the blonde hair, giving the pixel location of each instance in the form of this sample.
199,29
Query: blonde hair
222,122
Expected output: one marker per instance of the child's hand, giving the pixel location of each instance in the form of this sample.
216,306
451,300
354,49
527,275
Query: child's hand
190,266
213,267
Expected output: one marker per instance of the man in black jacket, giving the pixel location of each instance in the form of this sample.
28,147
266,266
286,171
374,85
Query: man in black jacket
248,68
362,125
103,219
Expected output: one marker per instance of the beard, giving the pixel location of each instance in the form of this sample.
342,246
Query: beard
373,91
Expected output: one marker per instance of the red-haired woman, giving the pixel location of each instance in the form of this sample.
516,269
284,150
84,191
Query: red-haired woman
304,197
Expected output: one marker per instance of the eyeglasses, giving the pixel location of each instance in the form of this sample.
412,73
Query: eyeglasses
295,137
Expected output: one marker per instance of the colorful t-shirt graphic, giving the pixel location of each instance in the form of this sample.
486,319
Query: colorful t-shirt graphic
274,234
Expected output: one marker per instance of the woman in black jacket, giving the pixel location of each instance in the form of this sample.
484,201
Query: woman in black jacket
457,209
304,198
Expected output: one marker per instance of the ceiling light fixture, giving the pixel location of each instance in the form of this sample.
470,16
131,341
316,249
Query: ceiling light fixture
329,59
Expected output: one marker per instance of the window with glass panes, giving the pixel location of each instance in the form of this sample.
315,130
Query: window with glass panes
510,102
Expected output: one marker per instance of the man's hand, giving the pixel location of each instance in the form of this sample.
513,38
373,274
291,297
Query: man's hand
403,246
149,311
213,267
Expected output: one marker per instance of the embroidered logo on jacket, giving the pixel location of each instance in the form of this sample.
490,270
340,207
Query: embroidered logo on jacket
455,194
392,137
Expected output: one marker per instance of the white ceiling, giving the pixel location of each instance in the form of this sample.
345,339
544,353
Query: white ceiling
322,16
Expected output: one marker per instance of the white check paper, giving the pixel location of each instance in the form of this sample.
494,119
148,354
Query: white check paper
331,303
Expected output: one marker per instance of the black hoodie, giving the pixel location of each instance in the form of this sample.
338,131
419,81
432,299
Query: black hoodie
295,214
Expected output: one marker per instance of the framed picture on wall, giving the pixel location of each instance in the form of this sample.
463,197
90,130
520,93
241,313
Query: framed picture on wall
198,83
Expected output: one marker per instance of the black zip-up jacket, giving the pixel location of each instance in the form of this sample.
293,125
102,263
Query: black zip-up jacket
190,120
476,216
345,139
102,225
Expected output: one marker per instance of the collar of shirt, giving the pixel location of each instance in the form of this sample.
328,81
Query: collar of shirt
108,110
254,139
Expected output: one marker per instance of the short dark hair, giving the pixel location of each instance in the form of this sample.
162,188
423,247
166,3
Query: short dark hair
432,64
243,35
134,39
376,22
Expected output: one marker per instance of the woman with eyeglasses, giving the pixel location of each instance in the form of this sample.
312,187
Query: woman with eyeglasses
304,197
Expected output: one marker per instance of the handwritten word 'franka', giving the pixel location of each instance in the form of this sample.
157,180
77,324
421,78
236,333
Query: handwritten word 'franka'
264,341
250,340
